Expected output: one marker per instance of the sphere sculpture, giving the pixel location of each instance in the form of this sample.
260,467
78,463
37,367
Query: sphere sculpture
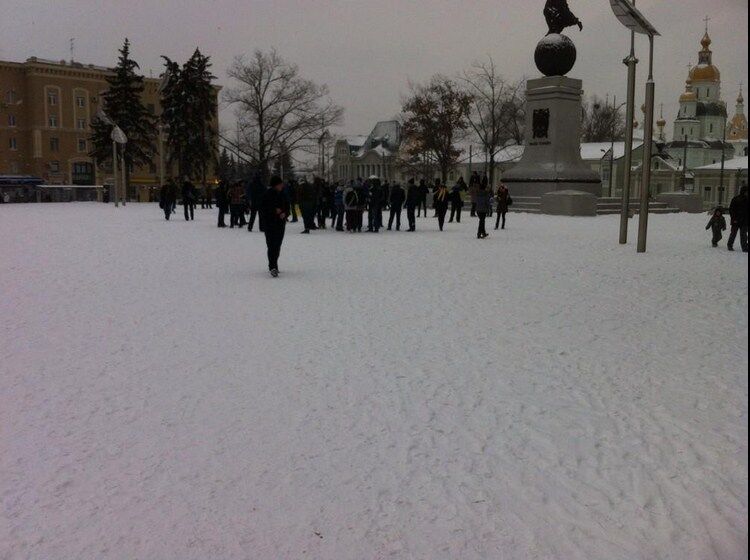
555,55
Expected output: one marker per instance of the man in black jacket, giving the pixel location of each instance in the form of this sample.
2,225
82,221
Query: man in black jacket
188,200
413,197
398,197
274,211
738,214
222,202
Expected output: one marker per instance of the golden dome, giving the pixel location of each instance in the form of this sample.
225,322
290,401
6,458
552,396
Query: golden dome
705,73
661,122
706,41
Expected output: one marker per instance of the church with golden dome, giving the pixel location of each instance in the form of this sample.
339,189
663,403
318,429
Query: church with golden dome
700,131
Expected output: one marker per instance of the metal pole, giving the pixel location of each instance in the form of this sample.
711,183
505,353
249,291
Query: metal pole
114,189
723,161
124,182
612,144
631,61
648,138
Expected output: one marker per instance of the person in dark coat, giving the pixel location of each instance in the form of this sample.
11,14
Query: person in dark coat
413,199
308,200
339,209
166,198
361,189
324,202
456,200
474,183
423,190
397,199
717,224
188,200
351,204
222,202
738,218
290,189
374,207
236,204
274,211
502,197
482,208
254,195
440,201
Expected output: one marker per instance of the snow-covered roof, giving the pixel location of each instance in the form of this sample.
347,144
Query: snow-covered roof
597,150
356,141
734,164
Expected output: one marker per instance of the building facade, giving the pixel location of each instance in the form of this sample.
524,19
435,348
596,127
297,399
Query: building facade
374,155
46,109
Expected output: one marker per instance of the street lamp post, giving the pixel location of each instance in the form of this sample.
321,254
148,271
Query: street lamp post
648,140
631,18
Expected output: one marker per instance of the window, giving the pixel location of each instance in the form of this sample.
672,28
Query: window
10,97
52,98
13,143
80,101
11,120
54,166
53,121
711,127
81,124
54,144
81,144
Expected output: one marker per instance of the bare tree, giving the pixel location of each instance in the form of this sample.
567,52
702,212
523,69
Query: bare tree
434,121
497,111
277,110
602,122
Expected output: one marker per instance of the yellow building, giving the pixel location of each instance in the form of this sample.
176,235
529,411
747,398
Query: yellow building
46,108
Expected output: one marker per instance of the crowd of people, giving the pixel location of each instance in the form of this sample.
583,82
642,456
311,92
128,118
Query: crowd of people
251,203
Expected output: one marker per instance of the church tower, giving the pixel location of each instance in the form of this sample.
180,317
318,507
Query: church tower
702,117
737,128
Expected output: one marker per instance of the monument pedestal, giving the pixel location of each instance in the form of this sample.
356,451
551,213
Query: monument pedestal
552,157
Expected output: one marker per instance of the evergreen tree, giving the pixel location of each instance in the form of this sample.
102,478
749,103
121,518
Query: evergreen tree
188,111
123,105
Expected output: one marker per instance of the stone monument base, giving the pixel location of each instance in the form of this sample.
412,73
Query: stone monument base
552,157
684,201
569,203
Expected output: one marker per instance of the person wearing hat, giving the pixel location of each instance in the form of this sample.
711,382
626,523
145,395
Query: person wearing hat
738,215
274,211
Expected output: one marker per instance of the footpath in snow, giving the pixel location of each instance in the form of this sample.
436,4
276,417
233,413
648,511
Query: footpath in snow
541,394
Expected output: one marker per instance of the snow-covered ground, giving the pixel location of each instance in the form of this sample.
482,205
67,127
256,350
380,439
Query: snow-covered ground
542,394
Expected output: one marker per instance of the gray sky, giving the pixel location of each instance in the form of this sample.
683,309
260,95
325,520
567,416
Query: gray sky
367,50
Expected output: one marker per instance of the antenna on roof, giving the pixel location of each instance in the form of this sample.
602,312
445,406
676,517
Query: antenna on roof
72,48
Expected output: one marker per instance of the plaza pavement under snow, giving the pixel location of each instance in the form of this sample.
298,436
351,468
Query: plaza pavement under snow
542,394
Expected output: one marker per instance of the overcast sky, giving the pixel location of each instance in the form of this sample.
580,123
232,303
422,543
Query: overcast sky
367,50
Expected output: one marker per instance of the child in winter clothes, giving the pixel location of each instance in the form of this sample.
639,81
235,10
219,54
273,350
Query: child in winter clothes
717,224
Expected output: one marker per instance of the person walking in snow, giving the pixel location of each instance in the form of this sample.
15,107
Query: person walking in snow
503,202
338,204
413,199
236,204
397,199
457,202
188,200
222,202
482,207
423,190
717,224
440,201
351,203
374,207
254,195
738,216
474,183
167,195
274,212
308,200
